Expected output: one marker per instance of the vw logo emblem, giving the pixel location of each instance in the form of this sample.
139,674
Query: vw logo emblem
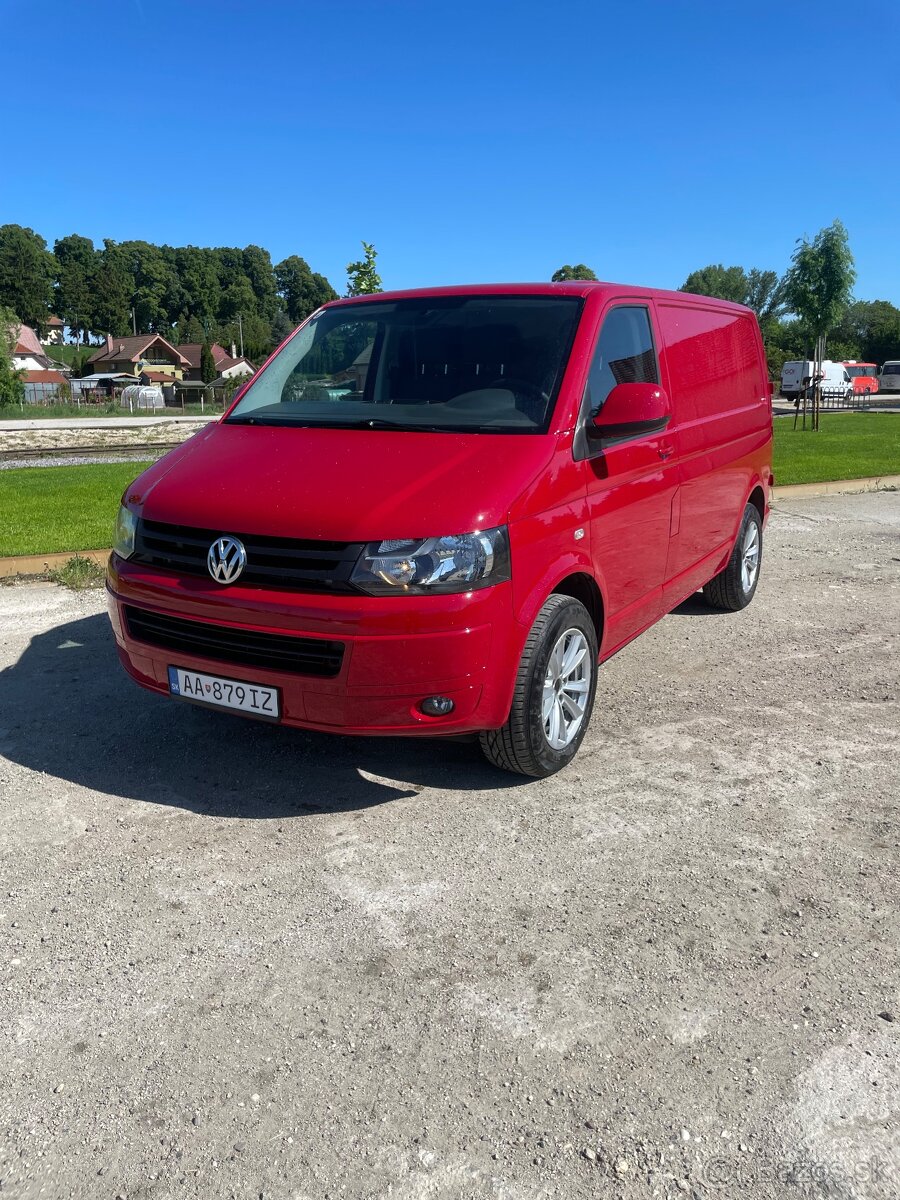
226,559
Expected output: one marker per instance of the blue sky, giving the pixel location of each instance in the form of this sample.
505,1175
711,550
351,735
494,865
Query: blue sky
470,141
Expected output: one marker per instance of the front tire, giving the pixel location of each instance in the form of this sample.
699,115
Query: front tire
554,695
735,586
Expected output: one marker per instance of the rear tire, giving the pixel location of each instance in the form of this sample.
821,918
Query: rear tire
554,695
735,586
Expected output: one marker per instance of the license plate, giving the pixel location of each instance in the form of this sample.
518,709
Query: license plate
235,694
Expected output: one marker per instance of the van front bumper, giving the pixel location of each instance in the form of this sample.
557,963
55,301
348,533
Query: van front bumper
397,650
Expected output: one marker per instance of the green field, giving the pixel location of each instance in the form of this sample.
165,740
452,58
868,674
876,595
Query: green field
67,353
48,509
846,446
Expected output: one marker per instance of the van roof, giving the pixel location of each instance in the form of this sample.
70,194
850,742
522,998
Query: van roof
573,287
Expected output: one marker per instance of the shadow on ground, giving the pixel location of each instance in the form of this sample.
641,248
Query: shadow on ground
697,606
67,708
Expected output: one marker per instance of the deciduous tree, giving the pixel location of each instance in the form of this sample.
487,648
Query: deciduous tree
301,290
577,272
873,328
26,275
113,292
362,276
726,283
820,279
76,267
12,390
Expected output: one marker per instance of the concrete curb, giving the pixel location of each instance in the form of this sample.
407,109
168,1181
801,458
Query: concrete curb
40,564
838,487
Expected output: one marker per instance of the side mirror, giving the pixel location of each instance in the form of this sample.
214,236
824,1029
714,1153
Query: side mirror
631,410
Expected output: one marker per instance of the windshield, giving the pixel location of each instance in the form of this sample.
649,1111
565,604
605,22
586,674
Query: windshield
855,372
891,368
488,364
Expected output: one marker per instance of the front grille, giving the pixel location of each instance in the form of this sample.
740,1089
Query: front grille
271,651
307,566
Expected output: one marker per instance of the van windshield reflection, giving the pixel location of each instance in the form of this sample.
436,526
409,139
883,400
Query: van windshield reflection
487,364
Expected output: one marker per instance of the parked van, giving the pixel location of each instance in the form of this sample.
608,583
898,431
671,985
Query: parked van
864,377
435,512
889,376
793,374
834,378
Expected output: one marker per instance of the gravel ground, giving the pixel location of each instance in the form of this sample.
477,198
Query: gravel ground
78,460
241,961
59,436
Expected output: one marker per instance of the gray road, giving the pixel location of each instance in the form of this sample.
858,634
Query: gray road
243,961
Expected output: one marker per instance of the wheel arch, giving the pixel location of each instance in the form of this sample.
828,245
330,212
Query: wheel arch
757,498
582,586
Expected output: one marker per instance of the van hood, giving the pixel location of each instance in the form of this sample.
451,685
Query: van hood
351,485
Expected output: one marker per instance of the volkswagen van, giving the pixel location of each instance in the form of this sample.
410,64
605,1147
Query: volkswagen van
437,512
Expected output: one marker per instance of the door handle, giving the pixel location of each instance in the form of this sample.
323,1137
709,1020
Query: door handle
666,450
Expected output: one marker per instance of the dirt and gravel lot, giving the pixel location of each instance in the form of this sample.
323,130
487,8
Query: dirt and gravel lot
243,961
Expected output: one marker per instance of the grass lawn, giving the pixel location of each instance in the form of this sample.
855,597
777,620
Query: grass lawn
48,509
847,446
68,353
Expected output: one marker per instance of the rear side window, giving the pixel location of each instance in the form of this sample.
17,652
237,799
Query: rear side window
624,354
713,359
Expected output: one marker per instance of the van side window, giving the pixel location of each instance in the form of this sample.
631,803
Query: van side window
624,354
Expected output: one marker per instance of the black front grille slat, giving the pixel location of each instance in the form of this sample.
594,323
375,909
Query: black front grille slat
175,557
164,540
227,643
300,564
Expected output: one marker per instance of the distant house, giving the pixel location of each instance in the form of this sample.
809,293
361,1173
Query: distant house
134,355
28,354
227,365
54,332
40,374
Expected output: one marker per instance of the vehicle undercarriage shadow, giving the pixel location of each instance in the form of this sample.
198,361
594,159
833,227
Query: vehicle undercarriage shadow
67,708
696,606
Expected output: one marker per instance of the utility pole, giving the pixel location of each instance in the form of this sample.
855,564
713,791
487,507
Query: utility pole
134,322
241,331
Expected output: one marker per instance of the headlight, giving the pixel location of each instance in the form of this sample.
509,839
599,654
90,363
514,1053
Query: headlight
458,563
126,527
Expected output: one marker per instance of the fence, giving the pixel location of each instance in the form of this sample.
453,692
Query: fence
76,395
836,400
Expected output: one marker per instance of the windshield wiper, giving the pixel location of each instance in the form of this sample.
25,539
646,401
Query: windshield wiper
383,423
261,421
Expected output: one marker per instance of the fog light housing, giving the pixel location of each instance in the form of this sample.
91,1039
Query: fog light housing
437,706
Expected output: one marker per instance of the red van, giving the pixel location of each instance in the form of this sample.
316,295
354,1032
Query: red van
435,512
864,376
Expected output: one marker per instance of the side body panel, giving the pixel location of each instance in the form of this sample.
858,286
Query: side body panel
714,370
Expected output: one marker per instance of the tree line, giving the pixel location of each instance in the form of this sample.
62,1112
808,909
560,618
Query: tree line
227,294
813,297
186,293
